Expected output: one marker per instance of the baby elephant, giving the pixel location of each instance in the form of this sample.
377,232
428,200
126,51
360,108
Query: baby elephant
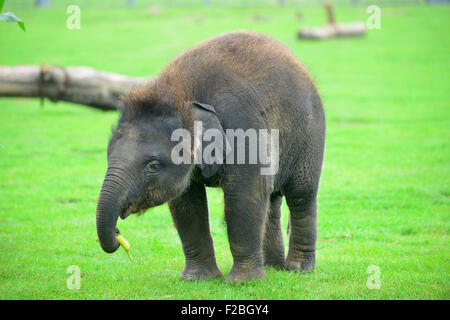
238,112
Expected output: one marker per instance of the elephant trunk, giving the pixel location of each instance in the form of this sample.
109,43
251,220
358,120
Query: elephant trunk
113,198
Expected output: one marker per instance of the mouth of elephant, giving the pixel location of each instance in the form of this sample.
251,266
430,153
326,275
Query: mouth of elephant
132,208
126,212
139,206
139,209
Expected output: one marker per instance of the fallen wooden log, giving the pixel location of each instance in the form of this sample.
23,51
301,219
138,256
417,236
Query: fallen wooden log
332,28
352,29
82,85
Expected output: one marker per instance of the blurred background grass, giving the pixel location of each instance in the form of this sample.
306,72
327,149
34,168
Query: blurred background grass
384,195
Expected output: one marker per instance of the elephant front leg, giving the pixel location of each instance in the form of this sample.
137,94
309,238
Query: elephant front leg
245,221
190,215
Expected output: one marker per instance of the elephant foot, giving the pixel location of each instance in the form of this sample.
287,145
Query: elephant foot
277,263
238,275
305,263
201,271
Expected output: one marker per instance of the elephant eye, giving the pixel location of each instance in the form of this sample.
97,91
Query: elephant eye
153,167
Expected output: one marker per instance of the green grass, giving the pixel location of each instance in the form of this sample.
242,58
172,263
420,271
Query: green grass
384,195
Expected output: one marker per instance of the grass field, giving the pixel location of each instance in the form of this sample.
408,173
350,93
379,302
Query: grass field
385,188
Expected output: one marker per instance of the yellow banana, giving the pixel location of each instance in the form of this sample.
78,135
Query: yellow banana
124,243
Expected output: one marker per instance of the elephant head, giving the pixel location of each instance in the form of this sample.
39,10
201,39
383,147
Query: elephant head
141,172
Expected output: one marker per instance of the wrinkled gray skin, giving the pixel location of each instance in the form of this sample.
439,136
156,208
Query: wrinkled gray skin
248,88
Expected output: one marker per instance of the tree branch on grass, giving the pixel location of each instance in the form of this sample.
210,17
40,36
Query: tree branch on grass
332,28
82,85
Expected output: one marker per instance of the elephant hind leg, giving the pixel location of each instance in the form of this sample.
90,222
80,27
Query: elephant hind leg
302,205
273,245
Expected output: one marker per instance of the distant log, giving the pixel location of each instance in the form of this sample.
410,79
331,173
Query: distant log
333,29
353,29
82,85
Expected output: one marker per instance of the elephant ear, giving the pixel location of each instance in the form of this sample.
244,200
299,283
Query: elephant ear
210,145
